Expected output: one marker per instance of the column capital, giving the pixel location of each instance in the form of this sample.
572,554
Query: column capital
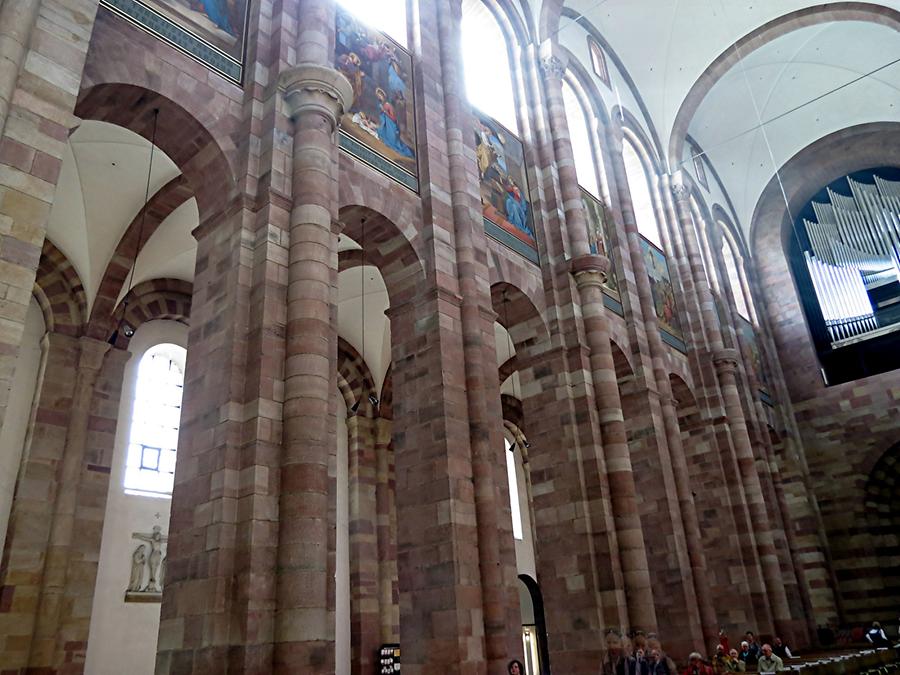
725,359
680,191
312,87
553,67
92,352
590,270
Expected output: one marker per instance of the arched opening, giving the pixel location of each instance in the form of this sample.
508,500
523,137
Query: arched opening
125,616
882,513
534,627
639,187
155,420
486,63
388,16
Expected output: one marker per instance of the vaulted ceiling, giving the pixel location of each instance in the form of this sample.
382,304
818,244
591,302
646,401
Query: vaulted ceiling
752,81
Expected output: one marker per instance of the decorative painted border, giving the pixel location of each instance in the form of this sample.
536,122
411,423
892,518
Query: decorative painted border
613,304
518,246
156,24
673,341
371,158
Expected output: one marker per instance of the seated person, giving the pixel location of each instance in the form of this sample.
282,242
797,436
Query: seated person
769,662
781,650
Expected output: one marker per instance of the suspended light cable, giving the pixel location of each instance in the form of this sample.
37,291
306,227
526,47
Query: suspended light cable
126,329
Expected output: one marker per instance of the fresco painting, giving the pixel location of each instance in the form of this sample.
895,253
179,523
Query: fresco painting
220,23
662,290
748,337
504,184
598,236
382,117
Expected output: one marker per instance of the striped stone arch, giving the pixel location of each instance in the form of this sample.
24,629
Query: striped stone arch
59,292
512,411
882,513
686,405
155,299
386,406
354,379
160,206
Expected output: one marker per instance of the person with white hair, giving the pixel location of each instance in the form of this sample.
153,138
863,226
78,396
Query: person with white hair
769,662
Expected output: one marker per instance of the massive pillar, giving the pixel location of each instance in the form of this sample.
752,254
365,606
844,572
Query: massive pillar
725,361
502,623
317,95
684,523
37,97
589,271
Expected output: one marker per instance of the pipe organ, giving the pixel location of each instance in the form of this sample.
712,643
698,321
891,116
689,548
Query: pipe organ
854,249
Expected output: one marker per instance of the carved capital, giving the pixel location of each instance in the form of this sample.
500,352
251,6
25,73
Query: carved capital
553,67
590,270
592,264
311,87
681,192
725,360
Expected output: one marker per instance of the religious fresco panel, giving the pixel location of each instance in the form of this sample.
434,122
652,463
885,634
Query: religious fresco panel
380,127
748,337
663,292
212,31
504,187
598,222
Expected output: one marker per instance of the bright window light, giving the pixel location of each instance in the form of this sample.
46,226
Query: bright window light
639,187
513,490
388,16
155,419
489,83
580,135
734,278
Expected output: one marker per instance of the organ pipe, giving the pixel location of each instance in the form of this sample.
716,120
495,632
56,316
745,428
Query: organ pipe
854,247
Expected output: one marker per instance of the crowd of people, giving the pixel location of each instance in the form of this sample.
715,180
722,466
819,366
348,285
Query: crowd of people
642,654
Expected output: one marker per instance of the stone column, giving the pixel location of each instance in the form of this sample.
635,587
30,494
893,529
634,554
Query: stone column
496,552
589,271
32,145
386,525
62,532
672,452
316,96
708,326
17,19
365,618
726,363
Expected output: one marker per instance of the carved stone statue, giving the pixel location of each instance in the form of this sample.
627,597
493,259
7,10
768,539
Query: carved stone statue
138,558
155,561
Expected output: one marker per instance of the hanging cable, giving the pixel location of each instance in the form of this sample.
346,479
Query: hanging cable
115,334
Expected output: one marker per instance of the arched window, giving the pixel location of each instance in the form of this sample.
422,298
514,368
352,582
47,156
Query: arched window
513,481
388,16
598,61
485,53
641,199
155,419
582,147
735,275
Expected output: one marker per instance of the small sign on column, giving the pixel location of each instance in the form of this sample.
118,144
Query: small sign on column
389,659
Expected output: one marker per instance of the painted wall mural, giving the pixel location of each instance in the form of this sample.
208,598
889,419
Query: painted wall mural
748,337
380,127
598,236
663,292
504,187
212,31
